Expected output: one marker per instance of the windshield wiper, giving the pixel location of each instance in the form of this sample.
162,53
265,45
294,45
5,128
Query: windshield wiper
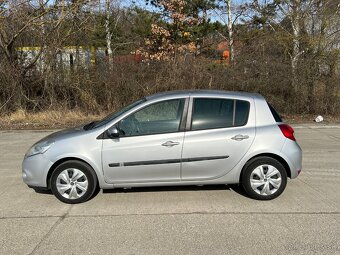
90,125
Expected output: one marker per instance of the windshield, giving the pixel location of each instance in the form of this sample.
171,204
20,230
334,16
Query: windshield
112,116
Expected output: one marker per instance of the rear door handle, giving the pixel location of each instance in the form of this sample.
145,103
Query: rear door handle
240,137
170,144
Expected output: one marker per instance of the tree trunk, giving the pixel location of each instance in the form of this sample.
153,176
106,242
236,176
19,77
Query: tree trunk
108,32
230,32
295,19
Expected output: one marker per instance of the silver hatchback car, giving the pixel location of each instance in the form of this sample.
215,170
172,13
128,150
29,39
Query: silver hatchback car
174,138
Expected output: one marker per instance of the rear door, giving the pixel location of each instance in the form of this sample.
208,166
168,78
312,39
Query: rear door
221,130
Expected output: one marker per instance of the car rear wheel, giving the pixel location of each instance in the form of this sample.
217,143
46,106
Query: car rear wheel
73,182
264,178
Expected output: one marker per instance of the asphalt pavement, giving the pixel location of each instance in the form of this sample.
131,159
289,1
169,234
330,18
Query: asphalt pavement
217,219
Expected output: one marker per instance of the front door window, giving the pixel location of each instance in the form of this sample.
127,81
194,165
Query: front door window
158,118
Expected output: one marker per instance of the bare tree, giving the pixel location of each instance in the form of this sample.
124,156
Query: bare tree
31,23
20,17
230,31
229,14
108,30
112,16
292,9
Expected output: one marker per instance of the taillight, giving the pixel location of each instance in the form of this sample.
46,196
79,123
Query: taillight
287,131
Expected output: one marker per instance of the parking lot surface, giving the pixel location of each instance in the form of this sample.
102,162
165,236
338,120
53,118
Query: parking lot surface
219,219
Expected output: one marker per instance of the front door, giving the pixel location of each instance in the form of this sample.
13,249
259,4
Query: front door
149,147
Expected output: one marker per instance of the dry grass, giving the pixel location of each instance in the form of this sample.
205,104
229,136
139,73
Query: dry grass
21,119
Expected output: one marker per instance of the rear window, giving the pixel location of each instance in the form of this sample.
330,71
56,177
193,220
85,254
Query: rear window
211,113
275,114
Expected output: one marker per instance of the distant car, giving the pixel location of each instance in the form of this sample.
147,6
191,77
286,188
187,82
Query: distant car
173,138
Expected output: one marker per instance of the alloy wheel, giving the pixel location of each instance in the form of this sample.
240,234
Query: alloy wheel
72,183
265,180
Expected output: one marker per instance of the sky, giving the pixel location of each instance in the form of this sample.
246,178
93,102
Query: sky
214,16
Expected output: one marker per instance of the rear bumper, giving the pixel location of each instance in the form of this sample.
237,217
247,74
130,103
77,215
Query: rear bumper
293,154
35,169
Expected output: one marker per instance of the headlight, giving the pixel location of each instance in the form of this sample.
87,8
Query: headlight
39,148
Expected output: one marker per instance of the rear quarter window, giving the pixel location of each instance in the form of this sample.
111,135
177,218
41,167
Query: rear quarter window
276,116
241,113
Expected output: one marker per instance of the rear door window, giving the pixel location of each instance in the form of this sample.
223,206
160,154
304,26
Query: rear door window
211,113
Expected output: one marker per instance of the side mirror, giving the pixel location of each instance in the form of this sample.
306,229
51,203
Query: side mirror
112,132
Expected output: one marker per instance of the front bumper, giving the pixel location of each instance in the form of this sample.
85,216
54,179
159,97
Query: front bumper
35,170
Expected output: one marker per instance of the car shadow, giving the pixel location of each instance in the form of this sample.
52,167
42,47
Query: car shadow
238,189
231,187
43,191
167,189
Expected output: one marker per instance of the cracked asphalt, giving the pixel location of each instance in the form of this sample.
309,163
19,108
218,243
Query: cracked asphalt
219,219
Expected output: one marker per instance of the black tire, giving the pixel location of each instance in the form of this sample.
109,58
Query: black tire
88,172
252,165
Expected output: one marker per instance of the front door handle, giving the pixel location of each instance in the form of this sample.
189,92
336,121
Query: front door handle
170,144
240,137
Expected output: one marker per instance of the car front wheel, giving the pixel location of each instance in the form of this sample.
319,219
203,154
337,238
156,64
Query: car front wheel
73,182
264,178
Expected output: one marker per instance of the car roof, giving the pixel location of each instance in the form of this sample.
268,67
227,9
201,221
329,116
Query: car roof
203,93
